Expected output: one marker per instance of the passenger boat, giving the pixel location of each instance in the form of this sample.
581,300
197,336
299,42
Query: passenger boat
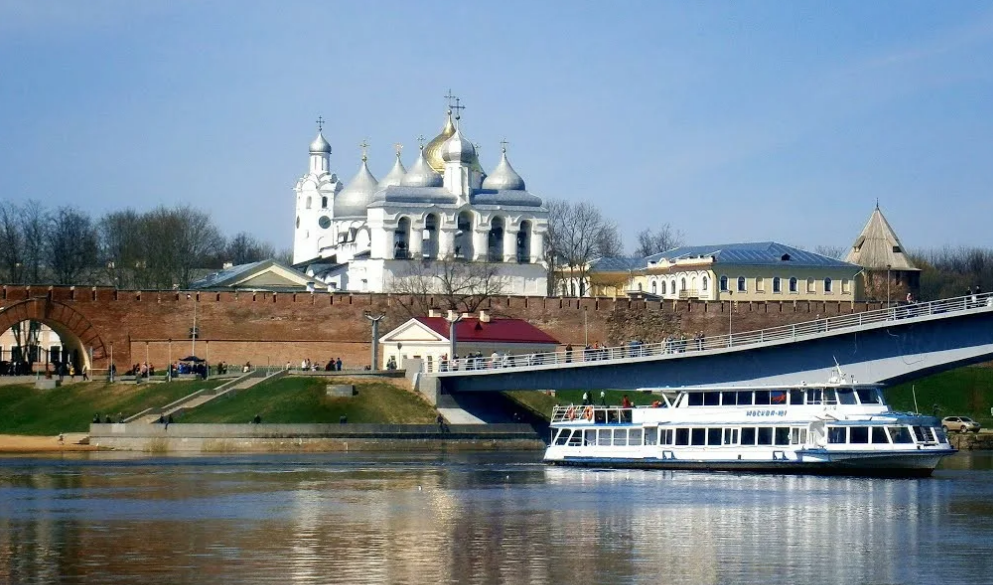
837,428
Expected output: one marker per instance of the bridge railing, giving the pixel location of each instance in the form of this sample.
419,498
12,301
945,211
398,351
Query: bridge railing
683,344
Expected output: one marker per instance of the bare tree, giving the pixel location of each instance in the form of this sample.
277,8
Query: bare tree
447,283
11,244
244,248
120,235
557,211
71,245
831,251
578,234
665,237
34,225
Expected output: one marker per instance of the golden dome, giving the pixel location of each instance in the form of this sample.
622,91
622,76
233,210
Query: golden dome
432,151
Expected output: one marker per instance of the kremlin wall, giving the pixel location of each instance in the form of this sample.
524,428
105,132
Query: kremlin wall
268,328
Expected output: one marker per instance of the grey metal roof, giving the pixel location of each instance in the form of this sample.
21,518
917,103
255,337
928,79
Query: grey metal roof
504,177
420,174
753,254
221,277
320,145
502,197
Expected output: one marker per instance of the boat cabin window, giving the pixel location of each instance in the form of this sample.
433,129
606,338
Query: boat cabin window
682,436
620,437
748,436
729,398
798,435
711,398
858,435
698,436
765,435
782,436
634,437
939,435
868,395
762,397
837,435
590,437
922,434
814,396
651,435
900,435
714,436
694,399
796,396
879,436
667,436
577,439
744,398
604,438
563,437
846,396
730,436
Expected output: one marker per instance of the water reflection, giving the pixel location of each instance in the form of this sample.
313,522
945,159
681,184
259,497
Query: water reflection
480,518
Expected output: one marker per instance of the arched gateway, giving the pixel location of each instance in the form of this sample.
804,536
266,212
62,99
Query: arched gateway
78,335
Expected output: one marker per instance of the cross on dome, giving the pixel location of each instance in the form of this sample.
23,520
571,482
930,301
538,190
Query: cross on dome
450,96
503,145
420,141
320,123
398,147
364,145
457,108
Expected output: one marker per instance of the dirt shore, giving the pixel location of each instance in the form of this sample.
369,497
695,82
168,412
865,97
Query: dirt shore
30,444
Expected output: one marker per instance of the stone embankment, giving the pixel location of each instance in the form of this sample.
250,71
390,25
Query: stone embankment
980,441
229,438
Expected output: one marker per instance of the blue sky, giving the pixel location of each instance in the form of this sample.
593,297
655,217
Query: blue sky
737,121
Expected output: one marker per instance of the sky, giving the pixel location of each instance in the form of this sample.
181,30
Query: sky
730,121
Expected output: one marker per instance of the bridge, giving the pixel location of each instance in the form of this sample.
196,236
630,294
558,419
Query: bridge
884,346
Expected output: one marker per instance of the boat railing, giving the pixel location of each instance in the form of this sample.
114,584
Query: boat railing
589,413
684,345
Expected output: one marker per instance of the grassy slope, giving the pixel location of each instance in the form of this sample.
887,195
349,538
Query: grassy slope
25,410
967,391
302,400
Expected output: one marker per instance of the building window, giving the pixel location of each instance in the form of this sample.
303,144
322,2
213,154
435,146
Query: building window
682,284
827,285
655,287
401,239
705,281
724,283
524,243
463,236
494,250
672,286
741,284
639,287
324,202
429,237
759,284
846,286
663,286
777,285
793,284
308,202
811,287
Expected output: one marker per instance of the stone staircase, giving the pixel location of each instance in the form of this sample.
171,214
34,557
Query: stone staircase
201,397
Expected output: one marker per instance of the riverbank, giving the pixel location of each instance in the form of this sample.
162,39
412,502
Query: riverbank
35,444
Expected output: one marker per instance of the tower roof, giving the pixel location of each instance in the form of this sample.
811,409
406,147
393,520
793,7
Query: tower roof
357,195
504,177
878,247
421,174
320,145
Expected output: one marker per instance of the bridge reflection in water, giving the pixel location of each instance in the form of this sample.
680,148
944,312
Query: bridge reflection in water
885,346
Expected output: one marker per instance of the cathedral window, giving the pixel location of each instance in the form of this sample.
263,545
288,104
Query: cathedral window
524,243
401,239
324,202
724,283
494,245
308,201
777,285
741,284
827,285
811,287
793,285
429,246
463,236
705,283
663,287
682,285
655,286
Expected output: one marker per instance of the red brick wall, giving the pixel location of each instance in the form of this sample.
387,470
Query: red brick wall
276,328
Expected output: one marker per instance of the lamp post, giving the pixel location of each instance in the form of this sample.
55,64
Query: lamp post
375,339
148,374
586,327
169,365
730,313
111,367
452,319
399,347
887,286
193,333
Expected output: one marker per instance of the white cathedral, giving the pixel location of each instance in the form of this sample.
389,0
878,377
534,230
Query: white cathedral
361,235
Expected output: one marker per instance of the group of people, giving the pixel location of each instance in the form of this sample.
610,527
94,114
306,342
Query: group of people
333,365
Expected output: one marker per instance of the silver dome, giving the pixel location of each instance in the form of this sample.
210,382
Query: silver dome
421,175
393,178
504,177
319,145
356,196
458,149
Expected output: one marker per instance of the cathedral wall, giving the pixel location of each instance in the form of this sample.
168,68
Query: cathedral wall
278,327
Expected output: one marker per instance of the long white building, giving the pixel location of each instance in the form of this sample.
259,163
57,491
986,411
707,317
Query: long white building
365,234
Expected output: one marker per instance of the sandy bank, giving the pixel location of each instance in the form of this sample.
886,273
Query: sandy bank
31,444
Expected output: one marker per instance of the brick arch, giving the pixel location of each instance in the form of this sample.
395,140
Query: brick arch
74,329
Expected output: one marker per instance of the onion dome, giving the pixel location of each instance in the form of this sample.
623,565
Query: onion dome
458,149
320,145
432,151
357,195
395,175
421,174
504,177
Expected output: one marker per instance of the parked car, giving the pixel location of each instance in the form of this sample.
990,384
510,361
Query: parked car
961,424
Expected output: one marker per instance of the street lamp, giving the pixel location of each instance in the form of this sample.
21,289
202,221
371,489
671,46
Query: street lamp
887,286
730,312
375,339
586,327
399,347
193,333
452,319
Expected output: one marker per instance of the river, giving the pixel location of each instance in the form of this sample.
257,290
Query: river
479,518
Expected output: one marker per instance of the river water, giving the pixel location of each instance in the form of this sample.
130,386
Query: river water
480,518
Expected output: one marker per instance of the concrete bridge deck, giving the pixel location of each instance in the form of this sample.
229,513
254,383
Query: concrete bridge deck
885,345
